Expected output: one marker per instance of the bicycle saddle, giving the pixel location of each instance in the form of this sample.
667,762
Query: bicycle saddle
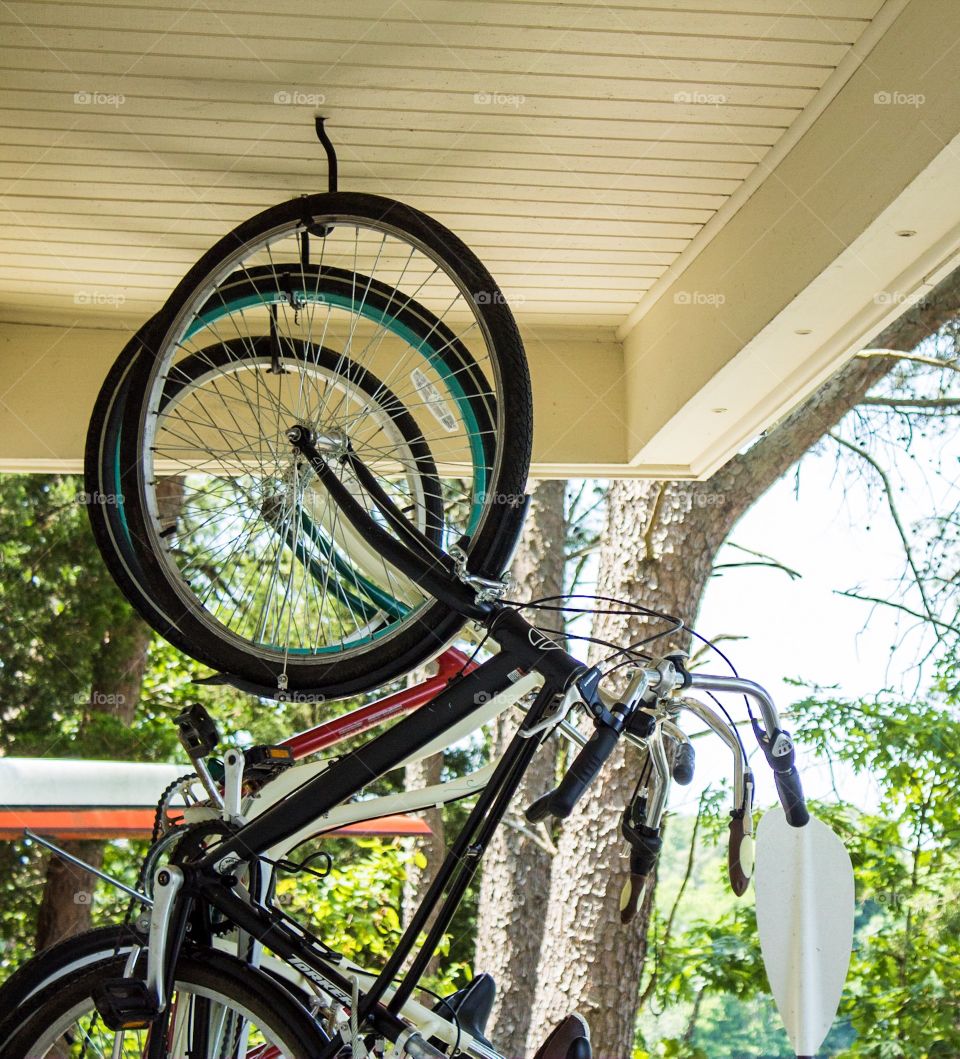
472,1006
570,1039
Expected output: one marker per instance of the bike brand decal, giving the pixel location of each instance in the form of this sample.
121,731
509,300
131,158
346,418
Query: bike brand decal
308,972
542,642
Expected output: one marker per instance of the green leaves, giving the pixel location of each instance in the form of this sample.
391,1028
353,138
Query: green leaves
355,908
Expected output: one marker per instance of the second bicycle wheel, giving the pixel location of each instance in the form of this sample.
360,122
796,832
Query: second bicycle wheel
374,327
218,1007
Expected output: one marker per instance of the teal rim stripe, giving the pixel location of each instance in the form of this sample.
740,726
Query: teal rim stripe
392,607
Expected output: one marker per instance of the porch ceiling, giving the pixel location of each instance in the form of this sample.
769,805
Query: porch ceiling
692,205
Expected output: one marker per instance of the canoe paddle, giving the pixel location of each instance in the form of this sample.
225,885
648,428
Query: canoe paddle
805,911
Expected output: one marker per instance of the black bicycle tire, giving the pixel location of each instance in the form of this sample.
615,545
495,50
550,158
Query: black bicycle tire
103,503
30,978
20,992
104,506
492,544
262,995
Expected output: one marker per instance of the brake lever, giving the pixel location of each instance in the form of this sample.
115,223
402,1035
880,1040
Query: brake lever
645,845
640,825
778,748
740,844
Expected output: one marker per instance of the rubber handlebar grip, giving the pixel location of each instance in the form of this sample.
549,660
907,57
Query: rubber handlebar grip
540,809
578,777
683,764
791,797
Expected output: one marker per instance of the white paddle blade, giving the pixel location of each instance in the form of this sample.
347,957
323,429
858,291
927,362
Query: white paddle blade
805,912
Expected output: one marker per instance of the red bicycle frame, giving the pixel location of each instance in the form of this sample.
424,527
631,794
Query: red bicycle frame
452,663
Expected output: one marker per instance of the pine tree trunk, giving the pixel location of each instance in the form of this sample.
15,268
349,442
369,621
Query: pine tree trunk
424,773
66,904
516,871
658,550
588,961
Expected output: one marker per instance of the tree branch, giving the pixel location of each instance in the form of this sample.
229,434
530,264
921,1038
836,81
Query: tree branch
703,651
953,364
899,606
652,522
912,402
763,560
750,474
540,837
895,515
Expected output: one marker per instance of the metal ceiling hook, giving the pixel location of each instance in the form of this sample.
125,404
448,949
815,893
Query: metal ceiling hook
331,152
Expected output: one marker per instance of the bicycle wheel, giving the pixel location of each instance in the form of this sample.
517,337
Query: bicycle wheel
218,1007
19,993
392,294
343,596
102,490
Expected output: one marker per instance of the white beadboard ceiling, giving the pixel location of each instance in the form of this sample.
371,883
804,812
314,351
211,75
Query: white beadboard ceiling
577,147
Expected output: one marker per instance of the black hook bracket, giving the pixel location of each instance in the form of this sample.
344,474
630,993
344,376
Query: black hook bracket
331,152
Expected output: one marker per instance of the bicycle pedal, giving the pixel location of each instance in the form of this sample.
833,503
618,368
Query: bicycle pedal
197,731
259,762
125,1004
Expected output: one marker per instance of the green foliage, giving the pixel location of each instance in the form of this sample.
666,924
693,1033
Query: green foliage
57,601
905,973
355,909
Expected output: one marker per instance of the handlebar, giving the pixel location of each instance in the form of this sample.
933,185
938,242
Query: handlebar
579,776
438,574
662,680
791,797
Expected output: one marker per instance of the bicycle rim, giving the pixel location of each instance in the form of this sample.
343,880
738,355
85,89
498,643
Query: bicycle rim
238,1014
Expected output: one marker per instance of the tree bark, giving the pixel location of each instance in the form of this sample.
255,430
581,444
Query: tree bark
66,904
516,870
424,773
658,550
433,846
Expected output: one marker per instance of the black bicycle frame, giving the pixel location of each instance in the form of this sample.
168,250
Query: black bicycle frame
523,649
